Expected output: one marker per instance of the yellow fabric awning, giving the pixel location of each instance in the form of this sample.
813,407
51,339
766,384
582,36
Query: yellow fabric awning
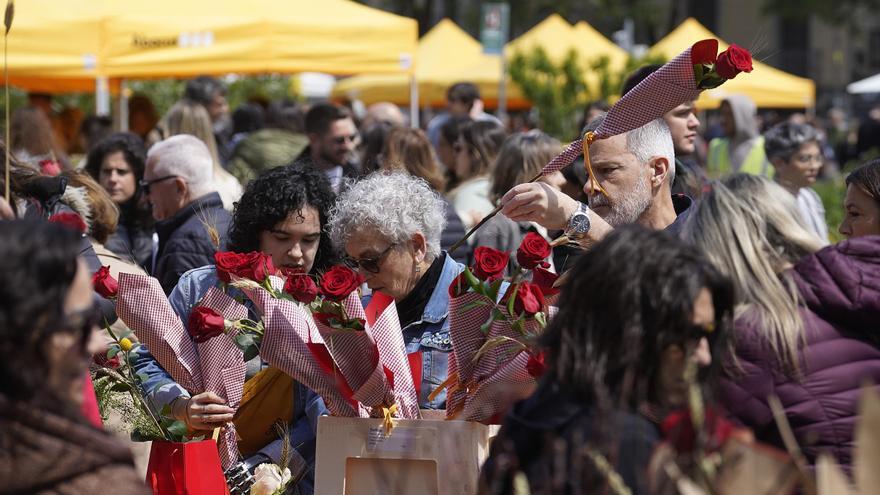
767,86
448,55
80,40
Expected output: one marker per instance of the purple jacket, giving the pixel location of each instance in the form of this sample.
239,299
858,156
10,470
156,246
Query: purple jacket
840,286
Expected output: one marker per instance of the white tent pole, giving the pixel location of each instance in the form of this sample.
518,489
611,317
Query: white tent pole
102,96
413,101
123,106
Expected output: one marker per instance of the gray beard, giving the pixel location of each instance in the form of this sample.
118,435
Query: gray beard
628,208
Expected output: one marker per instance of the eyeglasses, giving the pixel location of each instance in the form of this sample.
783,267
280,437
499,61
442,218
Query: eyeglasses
343,139
145,184
369,264
83,322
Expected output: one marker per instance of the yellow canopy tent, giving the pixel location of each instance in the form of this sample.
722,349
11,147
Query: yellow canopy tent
62,46
767,86
441,51
466,62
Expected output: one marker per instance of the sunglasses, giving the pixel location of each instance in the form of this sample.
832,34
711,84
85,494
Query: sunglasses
83,322
369,264
343,139
145,184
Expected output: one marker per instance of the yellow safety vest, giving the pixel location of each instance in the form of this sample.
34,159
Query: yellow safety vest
718,161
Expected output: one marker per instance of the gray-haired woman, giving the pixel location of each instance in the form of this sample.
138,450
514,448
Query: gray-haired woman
389,226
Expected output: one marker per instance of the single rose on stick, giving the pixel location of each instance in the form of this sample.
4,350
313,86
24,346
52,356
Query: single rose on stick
104,283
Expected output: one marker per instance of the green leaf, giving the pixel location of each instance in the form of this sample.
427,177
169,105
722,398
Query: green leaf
541,319
485,326
120,387
512,299
250,352
699,70
177,430
114,350
475,304
142,377
494,289
166,410
244,340
473,281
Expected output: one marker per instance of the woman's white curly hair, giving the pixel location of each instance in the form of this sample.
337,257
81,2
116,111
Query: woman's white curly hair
396,204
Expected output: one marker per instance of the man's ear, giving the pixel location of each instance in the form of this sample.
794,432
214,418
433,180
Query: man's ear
314,139
182,187
420,246
659,170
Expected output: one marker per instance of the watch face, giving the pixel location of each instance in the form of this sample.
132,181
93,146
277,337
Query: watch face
580,223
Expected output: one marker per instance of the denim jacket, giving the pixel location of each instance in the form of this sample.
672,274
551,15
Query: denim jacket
430,336
161,389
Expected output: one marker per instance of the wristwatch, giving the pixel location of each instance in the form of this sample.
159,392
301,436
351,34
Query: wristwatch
579,223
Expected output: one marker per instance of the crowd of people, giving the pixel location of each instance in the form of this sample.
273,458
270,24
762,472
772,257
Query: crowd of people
683,251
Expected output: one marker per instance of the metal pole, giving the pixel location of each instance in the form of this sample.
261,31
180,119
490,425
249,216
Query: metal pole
123,106
102,96
502,91
413,101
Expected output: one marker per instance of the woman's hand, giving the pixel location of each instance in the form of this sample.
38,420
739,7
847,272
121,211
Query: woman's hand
204,411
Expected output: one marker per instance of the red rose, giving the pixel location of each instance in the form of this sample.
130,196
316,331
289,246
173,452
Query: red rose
732,61
254,266
459,286
489,263
678,429
301,287
71,220
535,366
533,250
528,299
704,52
545,279
102,360
338,282
50,168
104,283
205,324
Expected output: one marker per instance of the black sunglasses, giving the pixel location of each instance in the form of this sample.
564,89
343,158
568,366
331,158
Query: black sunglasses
342,139
145,184
369,264
83,322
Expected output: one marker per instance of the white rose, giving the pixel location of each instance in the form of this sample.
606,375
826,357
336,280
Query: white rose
268,478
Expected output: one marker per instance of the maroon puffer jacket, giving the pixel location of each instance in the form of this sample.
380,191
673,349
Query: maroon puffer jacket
840,286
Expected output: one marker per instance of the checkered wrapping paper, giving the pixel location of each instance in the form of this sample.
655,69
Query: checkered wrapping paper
288,327
385,329
223,367
142,305
666,88
499,355
465,332
511,383
357,356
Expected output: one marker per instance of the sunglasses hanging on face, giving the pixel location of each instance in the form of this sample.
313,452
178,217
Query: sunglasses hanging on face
145,184
369,264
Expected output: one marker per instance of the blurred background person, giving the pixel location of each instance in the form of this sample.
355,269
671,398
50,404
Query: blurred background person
333,139
475,151
793,150
409,150
210,92
117,163
34,143
617,354
862,202
276,145
93,129
445,147
142,115
383,111
246,119
522,156
804,328
372,145
188,117
47,319
389,227
741,149
462,100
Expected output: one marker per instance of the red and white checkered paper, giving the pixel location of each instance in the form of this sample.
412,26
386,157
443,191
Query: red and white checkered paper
357,356
666,88
288,329
142,305
465,332
223,367
501,354
384,326
494,396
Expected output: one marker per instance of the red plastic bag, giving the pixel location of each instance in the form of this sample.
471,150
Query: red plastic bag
191,468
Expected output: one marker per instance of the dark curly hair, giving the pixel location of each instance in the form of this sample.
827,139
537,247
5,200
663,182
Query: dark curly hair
38,261
271,198
132,213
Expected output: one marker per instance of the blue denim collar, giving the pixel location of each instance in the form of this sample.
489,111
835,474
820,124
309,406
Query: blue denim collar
438,305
